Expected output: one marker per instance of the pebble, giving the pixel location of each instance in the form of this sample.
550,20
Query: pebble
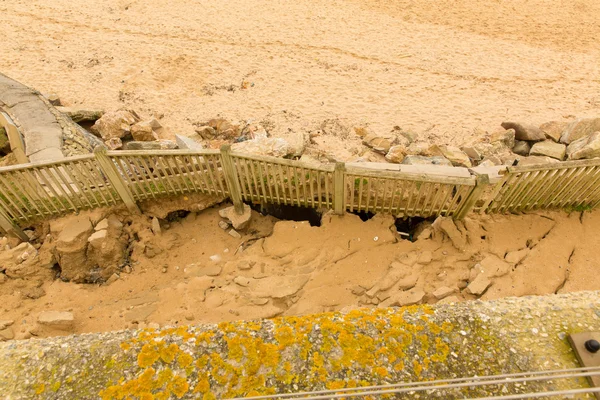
223,225
164,270
233,233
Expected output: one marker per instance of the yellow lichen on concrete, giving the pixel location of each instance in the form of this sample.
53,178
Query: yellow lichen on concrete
242,358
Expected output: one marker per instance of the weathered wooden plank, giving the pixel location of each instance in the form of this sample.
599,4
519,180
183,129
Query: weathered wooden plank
475,194
231,178
339,196
112,174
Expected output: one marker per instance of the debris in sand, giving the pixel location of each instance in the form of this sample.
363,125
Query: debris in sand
57,319
238,221
479,285
443,292
156,226
233,233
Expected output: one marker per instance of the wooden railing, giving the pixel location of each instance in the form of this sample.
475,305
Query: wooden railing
37,191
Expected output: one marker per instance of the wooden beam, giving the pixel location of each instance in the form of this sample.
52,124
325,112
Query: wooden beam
112,174
339,190
482,182
231,179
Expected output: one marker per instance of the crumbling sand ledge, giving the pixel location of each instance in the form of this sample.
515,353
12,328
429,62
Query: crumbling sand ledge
330,350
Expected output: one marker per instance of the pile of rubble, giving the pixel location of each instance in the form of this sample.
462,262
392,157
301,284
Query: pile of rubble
513,143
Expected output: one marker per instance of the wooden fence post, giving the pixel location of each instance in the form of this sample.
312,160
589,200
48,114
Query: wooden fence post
9,227
14,138
110,171
480,184
231,179
339,192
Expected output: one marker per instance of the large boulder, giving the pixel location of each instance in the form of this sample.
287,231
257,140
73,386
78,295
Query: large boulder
71,249
526,132
554,129
115,124
580,128
586,147
549,148
504,137
381,144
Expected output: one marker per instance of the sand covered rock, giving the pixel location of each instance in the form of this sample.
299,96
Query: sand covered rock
57,319
71,249
238,221
456,156
447,226
396,154
145,131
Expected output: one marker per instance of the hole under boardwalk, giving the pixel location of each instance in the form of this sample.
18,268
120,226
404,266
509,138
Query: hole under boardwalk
408,225
290,213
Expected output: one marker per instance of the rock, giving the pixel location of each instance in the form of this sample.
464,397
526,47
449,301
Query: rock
155,145
449,300
442,292
114,143
54,99
515,257
239,222
587,147
113,278
580,128
224,128
97,238
242,281
549,148
499,139
233,233
206,132
407,298
494,267
521,148
143,132
71,249
115,124
127,269
223,225
379,144
81,114
358,290
418,149
526,132
472,153
456,156
156,226
421,160
245,265
479,285
396,154
554,129
111,224
275,147
536,160
57,319
409,135
6,334
184,142
447,226
408,282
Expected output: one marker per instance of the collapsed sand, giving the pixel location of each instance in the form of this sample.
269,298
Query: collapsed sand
291,268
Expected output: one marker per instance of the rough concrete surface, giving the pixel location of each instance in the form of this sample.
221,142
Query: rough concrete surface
331,350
